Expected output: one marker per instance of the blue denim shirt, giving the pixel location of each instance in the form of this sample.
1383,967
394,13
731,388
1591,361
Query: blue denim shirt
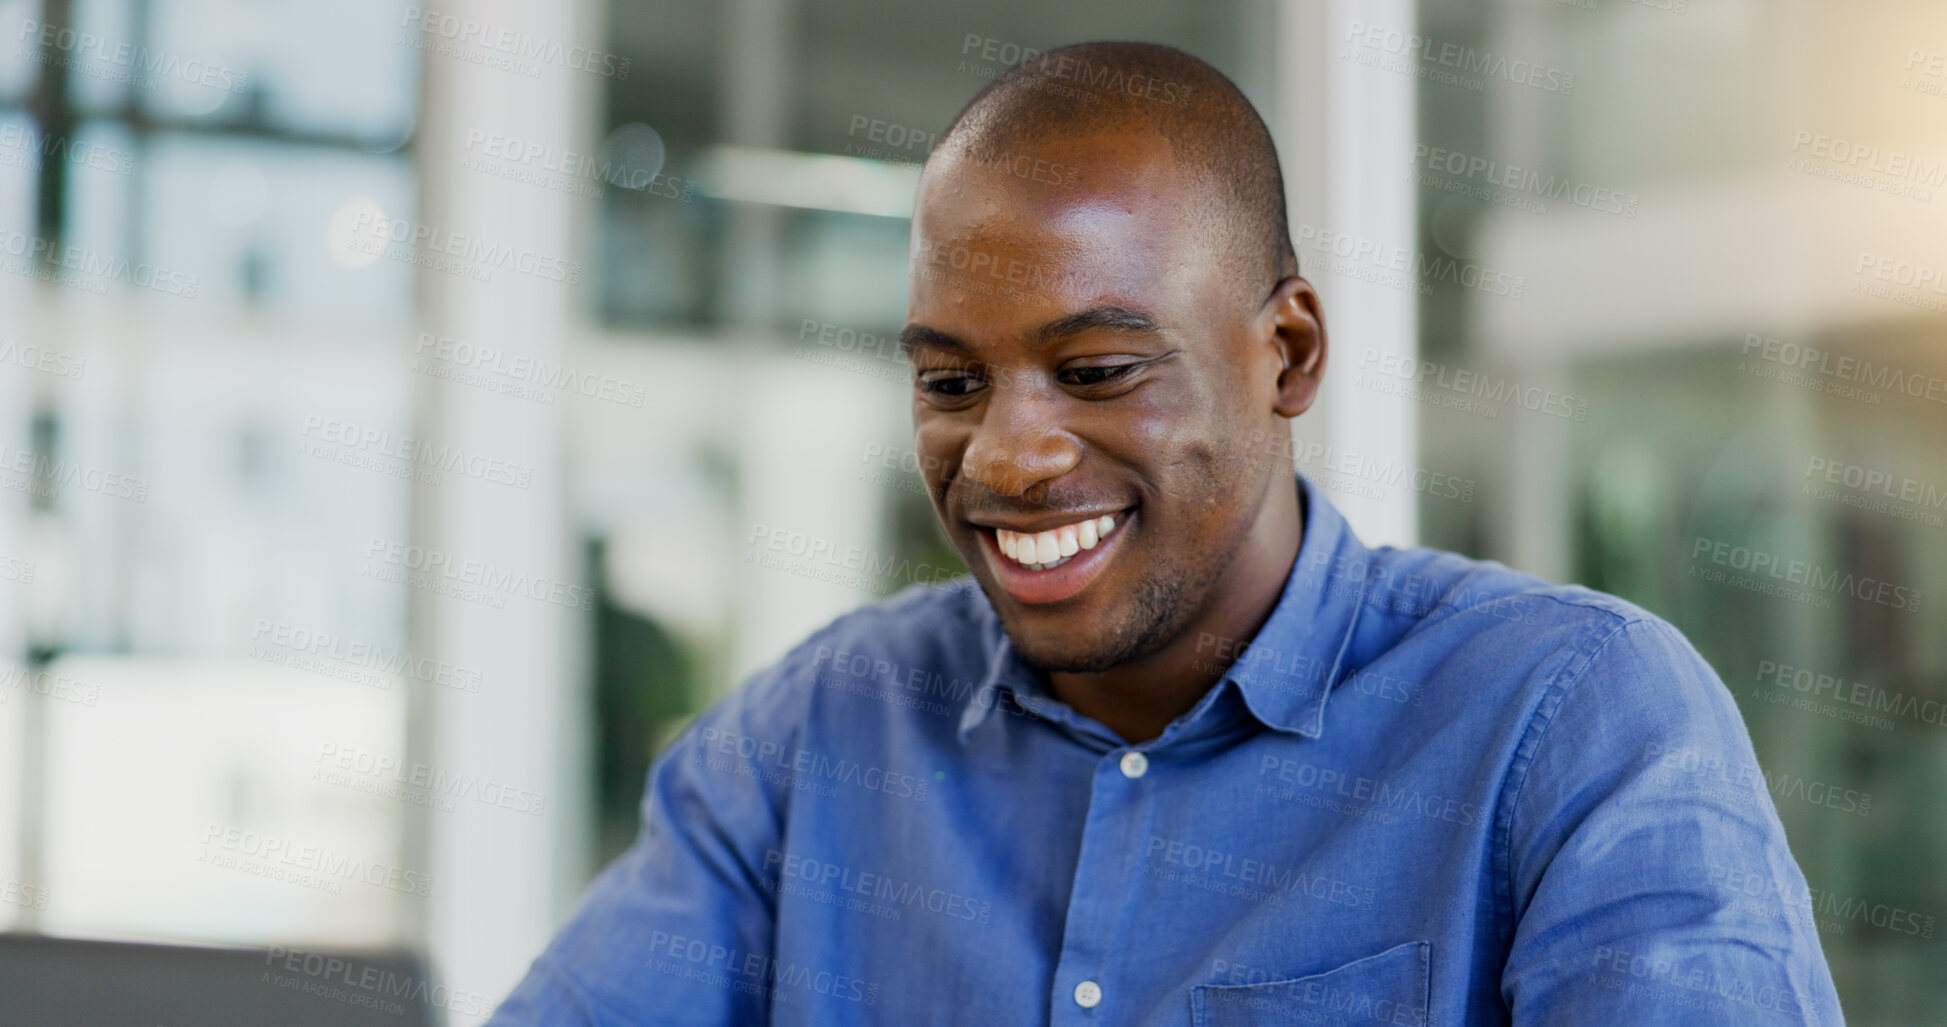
1429,791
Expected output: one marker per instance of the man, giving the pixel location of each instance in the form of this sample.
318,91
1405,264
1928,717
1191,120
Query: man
1182,750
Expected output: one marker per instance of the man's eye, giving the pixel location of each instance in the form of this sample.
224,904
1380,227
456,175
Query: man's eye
947,384
1096,375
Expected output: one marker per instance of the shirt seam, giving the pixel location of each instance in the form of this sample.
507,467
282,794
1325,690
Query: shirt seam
1567,679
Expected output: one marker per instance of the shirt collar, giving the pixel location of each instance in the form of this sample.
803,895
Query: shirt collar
1007,670
1285,672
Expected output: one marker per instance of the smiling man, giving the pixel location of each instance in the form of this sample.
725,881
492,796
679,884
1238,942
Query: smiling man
1182,750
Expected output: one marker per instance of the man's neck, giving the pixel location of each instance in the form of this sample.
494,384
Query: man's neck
1137,700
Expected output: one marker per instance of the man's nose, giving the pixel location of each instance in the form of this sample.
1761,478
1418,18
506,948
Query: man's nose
1020,444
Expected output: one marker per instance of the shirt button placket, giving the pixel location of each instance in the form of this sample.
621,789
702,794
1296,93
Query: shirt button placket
1102,877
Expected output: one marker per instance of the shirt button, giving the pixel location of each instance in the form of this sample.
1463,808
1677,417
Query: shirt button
1087,994
1134,764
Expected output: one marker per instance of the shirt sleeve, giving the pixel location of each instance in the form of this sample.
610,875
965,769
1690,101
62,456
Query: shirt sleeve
678,930
1646,866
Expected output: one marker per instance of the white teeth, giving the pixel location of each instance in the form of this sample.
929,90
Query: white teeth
1045,549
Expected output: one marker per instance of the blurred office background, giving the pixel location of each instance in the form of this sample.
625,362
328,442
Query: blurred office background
395,400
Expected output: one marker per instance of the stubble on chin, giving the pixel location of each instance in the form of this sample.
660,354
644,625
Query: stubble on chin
1155,616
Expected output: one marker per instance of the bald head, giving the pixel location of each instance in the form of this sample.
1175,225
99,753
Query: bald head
1146,93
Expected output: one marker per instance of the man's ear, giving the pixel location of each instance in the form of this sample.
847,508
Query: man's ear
1298,332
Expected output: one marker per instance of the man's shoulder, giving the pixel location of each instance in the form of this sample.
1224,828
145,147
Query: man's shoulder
1431,585
1543,635
921,631
1605,682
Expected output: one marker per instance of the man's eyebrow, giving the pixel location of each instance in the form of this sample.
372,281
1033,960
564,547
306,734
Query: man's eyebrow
912,337
1104,318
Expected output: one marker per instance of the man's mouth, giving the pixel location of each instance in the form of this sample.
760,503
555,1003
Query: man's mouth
1053,564
1045,550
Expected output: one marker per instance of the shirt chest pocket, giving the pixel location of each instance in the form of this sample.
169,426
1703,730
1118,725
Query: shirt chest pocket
1387,988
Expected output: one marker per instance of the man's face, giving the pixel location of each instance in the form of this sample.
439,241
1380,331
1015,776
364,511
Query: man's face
1078,354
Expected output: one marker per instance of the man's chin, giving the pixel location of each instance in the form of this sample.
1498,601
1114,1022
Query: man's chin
1066,656
1104,643
1089,641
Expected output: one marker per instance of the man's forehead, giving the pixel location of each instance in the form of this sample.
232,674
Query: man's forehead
1125,230
1044,178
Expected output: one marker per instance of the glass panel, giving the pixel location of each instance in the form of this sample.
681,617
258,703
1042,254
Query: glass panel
254,222
205,405
1731,334
346,68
